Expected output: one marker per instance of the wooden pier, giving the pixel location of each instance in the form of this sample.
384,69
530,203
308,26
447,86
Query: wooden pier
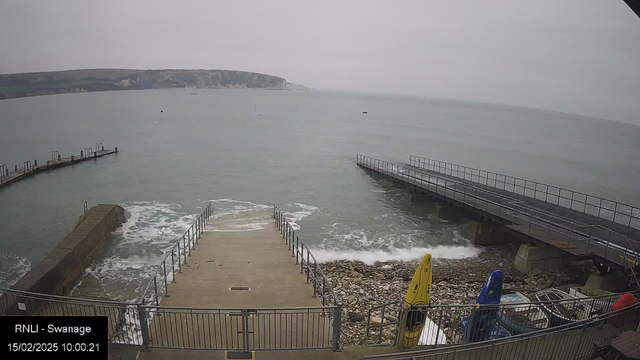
9,176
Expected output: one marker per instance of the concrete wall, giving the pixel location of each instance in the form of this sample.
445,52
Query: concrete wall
541,257
58,272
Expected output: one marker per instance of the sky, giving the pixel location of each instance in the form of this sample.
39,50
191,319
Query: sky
575,56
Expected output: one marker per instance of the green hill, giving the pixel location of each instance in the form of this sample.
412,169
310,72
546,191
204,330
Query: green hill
72,81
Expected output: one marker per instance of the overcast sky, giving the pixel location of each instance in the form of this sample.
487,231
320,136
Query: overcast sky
576,56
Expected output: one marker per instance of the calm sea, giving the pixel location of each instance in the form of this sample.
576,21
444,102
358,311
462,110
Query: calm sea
248,150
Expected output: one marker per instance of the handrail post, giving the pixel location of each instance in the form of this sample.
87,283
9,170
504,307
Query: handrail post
297,248
293,245
302,261
337,326
189,241
308,269
173,268
324,286
194,234
144,327
155,288
179,260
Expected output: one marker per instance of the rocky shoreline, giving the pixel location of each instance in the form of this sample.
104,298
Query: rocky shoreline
360,286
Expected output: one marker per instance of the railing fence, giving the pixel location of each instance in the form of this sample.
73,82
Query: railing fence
309,266
147,324
174,259
593,205
455,324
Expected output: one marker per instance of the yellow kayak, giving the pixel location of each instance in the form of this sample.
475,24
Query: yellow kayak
419,293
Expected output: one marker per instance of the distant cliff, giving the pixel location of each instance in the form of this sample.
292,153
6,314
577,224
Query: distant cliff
61,82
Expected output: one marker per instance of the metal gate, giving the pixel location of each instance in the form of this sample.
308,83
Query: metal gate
242,330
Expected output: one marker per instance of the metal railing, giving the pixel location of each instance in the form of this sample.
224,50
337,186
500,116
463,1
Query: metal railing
570,341
242,329
174,259
124,319
314,274
455,324
145,323
589,204
4,171
308,263
575,237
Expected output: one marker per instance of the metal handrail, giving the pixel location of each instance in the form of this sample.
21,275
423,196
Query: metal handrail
189,241
61,298
4,171
583,324
298,247
465,196
442,167
606,297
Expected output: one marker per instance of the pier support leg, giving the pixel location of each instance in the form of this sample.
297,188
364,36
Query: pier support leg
531,257
609,282
486,234
448,212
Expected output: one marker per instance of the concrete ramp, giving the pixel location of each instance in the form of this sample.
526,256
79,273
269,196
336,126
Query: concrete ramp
241,290
225,261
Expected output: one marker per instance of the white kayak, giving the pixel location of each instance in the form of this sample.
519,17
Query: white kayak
431,334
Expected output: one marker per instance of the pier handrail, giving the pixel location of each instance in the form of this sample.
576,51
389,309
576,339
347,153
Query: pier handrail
625,315
188,241
310,265
441,314
475,175
470,192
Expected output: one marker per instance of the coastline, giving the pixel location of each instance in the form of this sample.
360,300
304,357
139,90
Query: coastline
455,281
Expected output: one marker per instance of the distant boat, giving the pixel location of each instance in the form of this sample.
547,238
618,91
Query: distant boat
364,112
431,334
194,93
418,294
520,316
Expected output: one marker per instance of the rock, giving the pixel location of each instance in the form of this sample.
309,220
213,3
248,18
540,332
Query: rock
376,320
390,317
388,334
355,317
534,272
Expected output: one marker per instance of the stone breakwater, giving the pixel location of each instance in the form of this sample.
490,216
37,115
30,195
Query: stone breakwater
360,286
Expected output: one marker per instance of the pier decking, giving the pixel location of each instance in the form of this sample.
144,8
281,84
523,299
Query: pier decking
257,259
581,227
9,175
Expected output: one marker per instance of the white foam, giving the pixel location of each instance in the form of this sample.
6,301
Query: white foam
295,216
231,215
137,247
410,254
12,269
